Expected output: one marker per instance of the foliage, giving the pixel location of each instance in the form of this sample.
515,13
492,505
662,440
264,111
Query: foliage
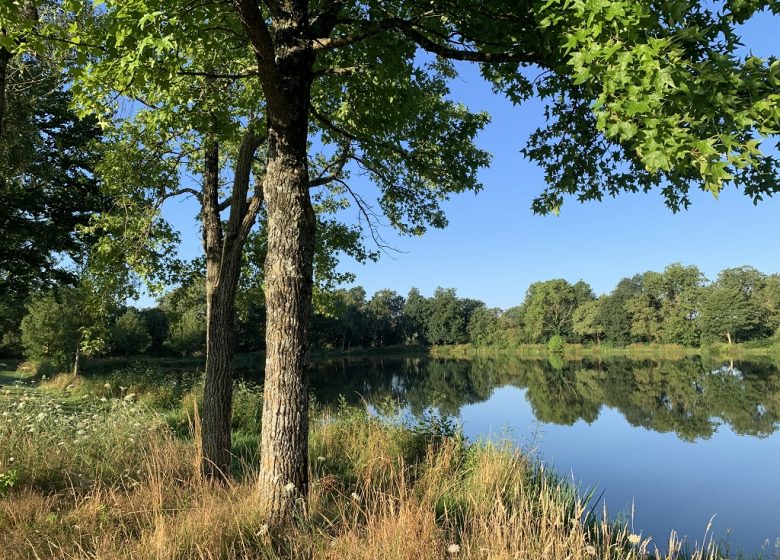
732,306
587,321
129,334
50,330
556,344
548,309
47,179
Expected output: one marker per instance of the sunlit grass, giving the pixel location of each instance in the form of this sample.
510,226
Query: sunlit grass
90,469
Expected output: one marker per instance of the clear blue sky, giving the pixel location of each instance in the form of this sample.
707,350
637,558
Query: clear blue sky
495,247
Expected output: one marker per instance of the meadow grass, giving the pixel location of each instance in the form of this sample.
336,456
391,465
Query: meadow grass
91,469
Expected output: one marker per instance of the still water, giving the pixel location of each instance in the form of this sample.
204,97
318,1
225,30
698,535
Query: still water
675,442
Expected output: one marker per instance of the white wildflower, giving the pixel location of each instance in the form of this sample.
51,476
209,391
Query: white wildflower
129,396
289,488
590,550
355,496
320,459
453,548
107,385
634,539
263,530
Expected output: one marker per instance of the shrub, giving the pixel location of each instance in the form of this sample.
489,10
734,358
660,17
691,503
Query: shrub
556,345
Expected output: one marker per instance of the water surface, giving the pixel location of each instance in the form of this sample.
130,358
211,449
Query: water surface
676,442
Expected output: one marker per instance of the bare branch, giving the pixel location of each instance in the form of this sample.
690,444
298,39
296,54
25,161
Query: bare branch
333,170
372,219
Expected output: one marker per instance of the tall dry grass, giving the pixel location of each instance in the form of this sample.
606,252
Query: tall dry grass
380,490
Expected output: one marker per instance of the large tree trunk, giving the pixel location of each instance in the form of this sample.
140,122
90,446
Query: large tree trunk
288,290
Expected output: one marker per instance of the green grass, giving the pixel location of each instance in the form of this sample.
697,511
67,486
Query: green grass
90,468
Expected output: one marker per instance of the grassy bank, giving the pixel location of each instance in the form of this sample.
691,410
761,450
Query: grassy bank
632,351
90,468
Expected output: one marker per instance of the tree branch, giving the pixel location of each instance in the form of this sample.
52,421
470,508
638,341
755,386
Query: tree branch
336,165
216,76
417,34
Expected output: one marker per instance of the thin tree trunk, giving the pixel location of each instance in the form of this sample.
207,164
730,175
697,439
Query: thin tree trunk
218,386
728,337
221,286
223,270
77,359
5,58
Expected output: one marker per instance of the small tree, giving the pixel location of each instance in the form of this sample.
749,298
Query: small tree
50,331
129,334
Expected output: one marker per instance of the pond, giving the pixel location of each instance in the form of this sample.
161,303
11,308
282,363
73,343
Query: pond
677,443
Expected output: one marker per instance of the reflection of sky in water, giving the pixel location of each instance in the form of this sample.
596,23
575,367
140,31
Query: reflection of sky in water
674,484
688,463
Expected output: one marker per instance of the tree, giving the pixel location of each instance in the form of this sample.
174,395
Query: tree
628,83
646,319
47,182
414,317
186,311
770,300
587,320
548,309
679,292
614,317
157,324
50,330
445,318
129,334
732,305
483,325
384,311
65,323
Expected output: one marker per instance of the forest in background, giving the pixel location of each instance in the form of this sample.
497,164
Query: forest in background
675,306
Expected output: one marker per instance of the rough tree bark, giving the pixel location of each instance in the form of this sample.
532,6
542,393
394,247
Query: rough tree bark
283,474
223,247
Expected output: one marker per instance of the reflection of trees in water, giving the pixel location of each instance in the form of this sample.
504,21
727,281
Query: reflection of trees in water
689,397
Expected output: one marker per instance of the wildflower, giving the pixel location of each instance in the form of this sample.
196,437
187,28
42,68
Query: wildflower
634,539
453,548
356,496
263,530
40,416
289,488
129,396
103,399
590,550
11,459
320,459
107,385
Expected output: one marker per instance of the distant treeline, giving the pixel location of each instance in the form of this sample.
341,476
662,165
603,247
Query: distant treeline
678,305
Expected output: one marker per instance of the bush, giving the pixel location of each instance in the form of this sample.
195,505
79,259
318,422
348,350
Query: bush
129,334
556,345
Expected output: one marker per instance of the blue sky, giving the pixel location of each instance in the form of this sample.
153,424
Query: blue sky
495,247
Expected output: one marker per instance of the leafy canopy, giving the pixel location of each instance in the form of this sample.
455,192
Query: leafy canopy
640,94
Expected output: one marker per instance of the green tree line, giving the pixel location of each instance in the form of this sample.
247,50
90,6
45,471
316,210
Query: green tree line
675,306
